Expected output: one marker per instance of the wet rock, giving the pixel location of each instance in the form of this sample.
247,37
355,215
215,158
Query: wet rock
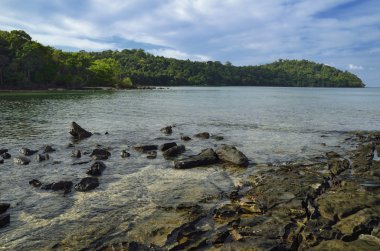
60,185
202,135
81,162
3,150
76,154
145,148
152,154
167,130
1,161
206,157
124,154
87,184
70,145
27,151
35,183
173,151
226,212
42,157
48,149
6,156
347,246
166,146
78,132
96,169
217,137
106,133
128,246
5,219
101,152
99,157
4,207
185,138
332,155
232,155
336,166
21,160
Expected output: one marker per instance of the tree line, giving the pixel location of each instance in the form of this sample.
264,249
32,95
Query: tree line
27,64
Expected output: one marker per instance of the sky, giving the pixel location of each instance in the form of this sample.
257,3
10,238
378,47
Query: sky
341,33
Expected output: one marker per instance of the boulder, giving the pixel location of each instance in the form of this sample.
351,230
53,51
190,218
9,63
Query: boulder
145,148
100,154
166,146
232,155
4,207
48,149
27,151
3,150
60,185
21,160
6,156
206,157
87,184
152,154
96,169
42,157
202,135
78,132
174,151
76,154
1,161
5,219
167,130
124,154
35,183
185,138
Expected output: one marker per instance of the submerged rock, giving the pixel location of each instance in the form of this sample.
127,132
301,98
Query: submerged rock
174,151
1,161
4,207
145,148
5,219
124,154
100,154
60,185
202,135
185,138
48,149
76,154
152,154
78,132
3,150
166,146
6,156
96,169
217,137
35,183
167,130
231,154
206,157
87,184
21,160
42,157
27,151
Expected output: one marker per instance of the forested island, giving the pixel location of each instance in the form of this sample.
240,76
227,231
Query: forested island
27,64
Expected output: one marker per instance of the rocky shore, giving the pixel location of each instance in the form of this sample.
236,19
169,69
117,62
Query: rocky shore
329,203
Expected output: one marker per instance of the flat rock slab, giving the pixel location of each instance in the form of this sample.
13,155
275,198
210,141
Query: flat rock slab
206,157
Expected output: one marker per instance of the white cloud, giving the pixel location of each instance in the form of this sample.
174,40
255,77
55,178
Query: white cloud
170,53
355,67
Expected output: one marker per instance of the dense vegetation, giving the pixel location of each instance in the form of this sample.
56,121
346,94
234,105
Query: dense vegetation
25,63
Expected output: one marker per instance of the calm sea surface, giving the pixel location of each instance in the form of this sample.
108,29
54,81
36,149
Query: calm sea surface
270,125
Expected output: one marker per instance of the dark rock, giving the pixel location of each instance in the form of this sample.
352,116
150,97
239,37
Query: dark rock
1,161
145,148
78,132
70,145
99,157
151,155
100,151
6,156
5,219
206,157
167,130
332,155
87,184
124,154
106,133
76,154
174,151
60,185
42,157
48,149
185,138
3,150
96,169
27,151
4,207
21,160
81,162
35,183
130,246
217,137
166,146
231,154
202,135
336,166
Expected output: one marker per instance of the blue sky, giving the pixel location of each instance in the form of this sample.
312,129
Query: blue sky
341,33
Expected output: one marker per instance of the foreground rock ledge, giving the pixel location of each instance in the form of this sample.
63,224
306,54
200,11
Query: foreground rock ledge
78,132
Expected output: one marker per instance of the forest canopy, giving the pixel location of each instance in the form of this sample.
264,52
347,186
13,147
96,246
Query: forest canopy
27,64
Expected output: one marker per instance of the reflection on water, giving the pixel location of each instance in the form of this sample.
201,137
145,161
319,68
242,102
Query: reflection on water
268,124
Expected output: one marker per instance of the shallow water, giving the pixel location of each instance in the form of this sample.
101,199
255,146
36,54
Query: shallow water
273,125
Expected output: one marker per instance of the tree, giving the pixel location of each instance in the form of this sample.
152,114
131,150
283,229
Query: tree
105,71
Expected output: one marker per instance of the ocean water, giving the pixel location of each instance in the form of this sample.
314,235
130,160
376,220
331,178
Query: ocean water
270,125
